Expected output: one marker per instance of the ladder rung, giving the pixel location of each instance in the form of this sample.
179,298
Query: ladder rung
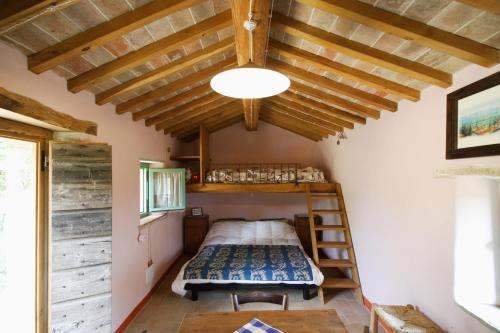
327,211
334,245
335,263
339,283
325,227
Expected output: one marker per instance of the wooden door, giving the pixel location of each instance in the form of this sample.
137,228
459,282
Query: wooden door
80,237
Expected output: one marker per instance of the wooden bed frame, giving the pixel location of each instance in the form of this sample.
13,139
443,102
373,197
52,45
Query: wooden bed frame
196,288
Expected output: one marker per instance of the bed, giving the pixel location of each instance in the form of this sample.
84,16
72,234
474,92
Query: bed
250,254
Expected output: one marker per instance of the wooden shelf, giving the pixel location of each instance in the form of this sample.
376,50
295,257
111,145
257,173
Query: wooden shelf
269,188
185,158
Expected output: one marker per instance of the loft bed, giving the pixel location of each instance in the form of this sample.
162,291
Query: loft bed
272,178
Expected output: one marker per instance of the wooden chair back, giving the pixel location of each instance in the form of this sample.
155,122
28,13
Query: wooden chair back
259,297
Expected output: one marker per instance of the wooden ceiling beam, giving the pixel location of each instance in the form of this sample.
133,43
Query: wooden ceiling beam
333,99
28,107
213,124
204,110
492,6
332,85
409,29
304,125
282,123
349,72
164,71
260,13
228,108
320,114
150,51
15,13
173,102
179,111
287,128
296,101
307,119
105,32
361,51
172,87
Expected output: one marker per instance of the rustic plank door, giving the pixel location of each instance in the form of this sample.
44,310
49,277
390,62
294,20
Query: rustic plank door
80,237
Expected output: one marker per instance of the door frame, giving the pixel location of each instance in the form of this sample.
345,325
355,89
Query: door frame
39,136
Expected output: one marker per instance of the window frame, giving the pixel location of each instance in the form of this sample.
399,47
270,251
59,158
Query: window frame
151,173
145,192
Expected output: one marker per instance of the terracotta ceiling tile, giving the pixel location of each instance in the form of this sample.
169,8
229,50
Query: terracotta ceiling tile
112,8
328,53
99,56
301,12
57,25
181,20
388,43
481,28
176,54
411,50
78,65
395,6
425,10
321,19
494,41
139,38
32,37
84,14
282,6
118,47
344,27
208,40
452,65
160,28
193,47
309,47
202,11
221,5
366,35
454,16
433,58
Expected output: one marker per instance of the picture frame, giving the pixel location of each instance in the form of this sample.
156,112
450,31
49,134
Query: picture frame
196,211
473,119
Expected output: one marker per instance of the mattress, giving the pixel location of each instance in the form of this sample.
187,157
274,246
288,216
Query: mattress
257,175
260,233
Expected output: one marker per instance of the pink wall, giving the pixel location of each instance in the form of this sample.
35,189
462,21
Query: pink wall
269,144
402,217
130,142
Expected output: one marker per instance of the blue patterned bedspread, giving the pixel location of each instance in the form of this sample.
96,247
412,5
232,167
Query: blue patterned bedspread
249,262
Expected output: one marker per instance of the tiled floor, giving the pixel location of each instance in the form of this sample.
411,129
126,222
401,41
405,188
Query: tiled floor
165,310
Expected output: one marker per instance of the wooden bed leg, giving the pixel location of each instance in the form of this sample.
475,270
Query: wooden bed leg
194,295
305,292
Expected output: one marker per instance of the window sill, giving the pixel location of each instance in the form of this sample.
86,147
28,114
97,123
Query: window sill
151,219
489,315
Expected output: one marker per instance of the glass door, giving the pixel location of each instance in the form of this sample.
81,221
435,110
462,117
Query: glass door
19,216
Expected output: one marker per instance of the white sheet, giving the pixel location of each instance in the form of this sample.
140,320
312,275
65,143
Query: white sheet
247,233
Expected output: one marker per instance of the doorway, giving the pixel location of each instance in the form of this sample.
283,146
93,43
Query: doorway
21,234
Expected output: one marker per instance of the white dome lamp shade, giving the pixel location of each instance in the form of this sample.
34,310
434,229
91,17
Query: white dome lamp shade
250,82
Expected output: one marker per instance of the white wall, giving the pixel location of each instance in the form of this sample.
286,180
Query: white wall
402,217
130,142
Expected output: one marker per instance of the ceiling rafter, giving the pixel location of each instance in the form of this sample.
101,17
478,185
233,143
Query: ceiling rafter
340,88
333,99
212,125
294,99
172,102
292,129
332,129
410,29
181,110
307,130
186,117
299,123
377,82
94,37
172,87
361,51
260,11
276,100
229,108
164,71
149,52
17,12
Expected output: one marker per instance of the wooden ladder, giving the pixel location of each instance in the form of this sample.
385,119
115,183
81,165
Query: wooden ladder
325,263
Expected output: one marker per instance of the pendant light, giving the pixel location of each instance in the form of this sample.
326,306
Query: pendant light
250,81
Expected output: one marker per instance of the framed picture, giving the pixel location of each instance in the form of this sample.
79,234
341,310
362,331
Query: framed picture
473,119
197,211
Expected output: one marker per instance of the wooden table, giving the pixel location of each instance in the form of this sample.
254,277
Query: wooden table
299,321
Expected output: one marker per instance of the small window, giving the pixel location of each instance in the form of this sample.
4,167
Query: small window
162,189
